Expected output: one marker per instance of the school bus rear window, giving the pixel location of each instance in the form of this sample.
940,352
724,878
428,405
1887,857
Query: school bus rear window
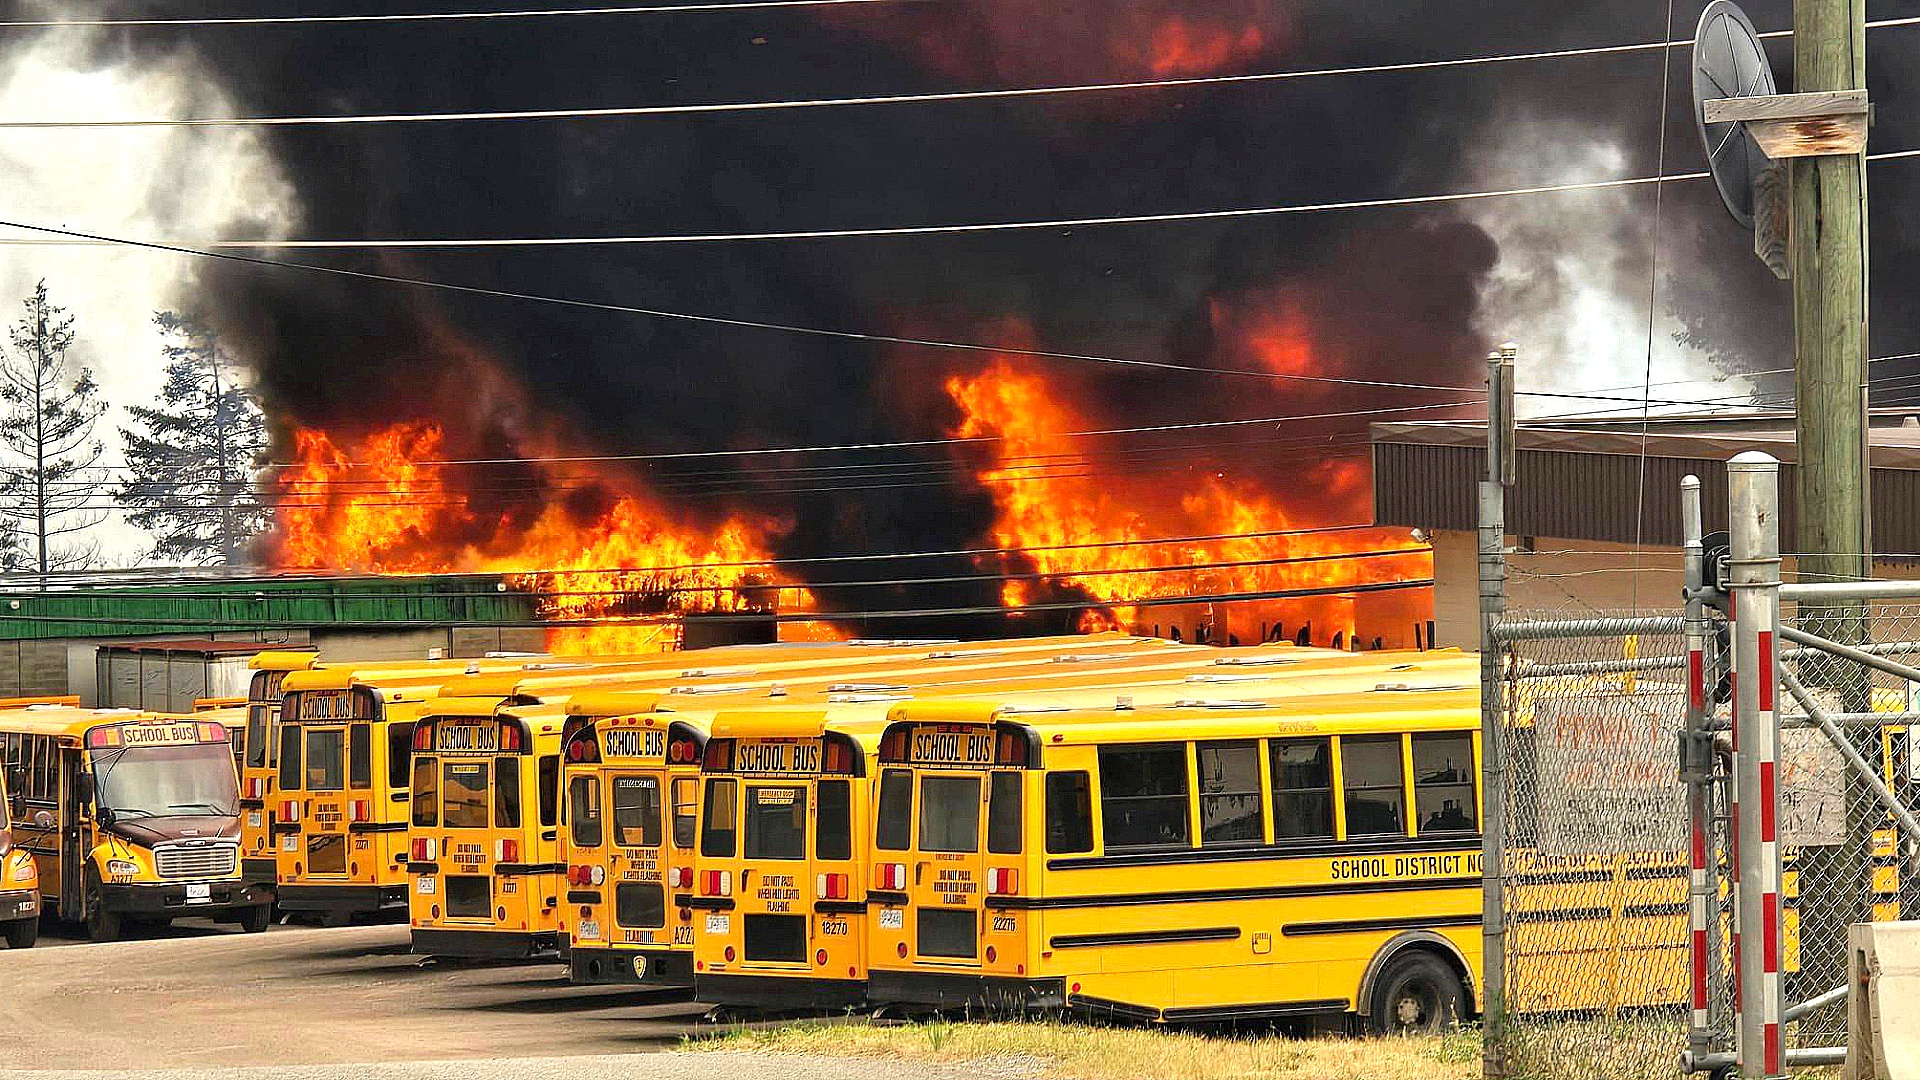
950,813
636,812
776,822
583,811
506,793
894,829
1004,796
833,824
426,792
326,760
718,831
463,802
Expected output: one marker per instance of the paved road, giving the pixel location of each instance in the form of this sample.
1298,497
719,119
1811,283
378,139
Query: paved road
201,997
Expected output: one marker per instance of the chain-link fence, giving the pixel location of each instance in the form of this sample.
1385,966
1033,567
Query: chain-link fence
1597,858
1600,909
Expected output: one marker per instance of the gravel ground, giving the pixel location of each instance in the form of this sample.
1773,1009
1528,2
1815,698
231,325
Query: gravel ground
717,1065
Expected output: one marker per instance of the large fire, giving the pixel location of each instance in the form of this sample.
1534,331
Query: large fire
382,504
1043,503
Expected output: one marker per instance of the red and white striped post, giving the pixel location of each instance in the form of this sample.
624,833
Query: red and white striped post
1753,496
1697,759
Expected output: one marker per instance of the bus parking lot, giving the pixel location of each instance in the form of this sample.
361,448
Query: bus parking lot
196,996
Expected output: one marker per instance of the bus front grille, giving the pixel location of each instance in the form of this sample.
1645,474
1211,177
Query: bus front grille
196,860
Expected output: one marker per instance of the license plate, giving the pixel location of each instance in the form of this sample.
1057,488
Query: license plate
26,907
589,928
201,893
426,886
719,924
290,842
892,918
254,820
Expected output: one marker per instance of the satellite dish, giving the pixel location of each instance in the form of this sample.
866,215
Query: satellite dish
1729,61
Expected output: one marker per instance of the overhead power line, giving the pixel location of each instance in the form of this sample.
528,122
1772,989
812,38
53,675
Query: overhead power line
79,239
710,108
452,16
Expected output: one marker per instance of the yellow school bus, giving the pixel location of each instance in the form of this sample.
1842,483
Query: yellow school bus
631,780
755,975
483,837
129,815
19,882
341,792
1226,861
783,798
258,759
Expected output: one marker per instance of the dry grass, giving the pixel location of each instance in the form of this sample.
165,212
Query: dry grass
1079,1052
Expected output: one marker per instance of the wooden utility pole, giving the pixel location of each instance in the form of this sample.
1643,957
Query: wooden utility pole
1827,250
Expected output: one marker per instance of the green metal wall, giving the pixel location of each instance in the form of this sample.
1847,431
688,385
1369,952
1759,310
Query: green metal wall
122,610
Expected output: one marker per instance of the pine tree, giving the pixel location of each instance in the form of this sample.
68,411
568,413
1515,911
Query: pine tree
51,490
13,553
193,465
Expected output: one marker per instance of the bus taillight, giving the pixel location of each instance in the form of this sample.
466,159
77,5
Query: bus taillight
256,787
360,810
831,886
1002,881
716,883
424,849
506,850
679,877
290,810
586,875
890,876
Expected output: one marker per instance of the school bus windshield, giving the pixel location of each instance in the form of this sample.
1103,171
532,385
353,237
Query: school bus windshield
167,781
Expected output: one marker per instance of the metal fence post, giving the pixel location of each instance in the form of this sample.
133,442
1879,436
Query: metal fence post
1493,787
1753,490
1697,767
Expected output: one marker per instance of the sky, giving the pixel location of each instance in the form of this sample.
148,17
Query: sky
1392,294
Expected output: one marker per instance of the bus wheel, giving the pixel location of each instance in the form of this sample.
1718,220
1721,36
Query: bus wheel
23,933
1417,994
102,925
255,920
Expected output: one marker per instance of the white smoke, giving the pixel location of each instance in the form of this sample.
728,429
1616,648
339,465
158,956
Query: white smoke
139,183
1571,286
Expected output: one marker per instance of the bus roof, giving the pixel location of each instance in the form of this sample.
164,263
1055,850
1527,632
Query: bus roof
71,722
1396,709
285,659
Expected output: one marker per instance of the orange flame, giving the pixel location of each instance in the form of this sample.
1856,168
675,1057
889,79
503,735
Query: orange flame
1181,47
376,507
1040,503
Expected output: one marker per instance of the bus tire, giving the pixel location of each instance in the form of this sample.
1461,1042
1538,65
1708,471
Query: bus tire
102,925
256,919
22,933
1417,993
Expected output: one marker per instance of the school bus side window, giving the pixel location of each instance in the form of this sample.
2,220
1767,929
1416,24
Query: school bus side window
1069,813
1376,799
833,826
1302,789
1143,796
686,793
426,791
360,756
1443,782
506,793
1004,819
717,818
399,751
583,810
893,830
290,758
1230,810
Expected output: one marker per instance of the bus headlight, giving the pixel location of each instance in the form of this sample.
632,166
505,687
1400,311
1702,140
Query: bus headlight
122,867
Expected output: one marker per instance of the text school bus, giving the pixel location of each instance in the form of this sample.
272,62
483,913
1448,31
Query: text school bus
129,815
1224,861
19,882
631,781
